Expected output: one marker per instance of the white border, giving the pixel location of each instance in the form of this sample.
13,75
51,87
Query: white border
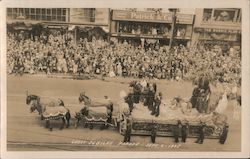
244,4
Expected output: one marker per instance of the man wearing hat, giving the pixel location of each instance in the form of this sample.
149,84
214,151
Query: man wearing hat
153,131
130,100
157,103
201,133
128,130
184,132
177,131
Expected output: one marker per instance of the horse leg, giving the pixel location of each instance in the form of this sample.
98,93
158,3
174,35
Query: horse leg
49,125
63,123
91,126
77,122
68,119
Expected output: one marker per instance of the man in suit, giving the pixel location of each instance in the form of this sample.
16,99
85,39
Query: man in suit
154,132
184,132
128,130
201,133
177,131
129,99
157,103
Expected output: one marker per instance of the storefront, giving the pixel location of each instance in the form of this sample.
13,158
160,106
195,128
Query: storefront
219,26
148,28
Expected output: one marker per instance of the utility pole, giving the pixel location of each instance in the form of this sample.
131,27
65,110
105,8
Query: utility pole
173,11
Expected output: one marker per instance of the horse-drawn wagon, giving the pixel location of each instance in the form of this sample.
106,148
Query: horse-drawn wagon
142,122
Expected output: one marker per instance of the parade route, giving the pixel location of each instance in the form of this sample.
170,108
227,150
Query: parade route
25,130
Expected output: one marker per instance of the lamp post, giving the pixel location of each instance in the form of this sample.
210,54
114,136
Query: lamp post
173,11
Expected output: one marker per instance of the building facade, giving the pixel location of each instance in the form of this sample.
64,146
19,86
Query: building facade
85,22
217,26
145,27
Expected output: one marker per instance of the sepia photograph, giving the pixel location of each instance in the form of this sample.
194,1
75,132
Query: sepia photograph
124,79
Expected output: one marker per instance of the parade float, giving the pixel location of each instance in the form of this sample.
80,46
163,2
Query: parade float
173,111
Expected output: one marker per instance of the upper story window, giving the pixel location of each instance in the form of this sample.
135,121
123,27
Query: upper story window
44,14
89,13
222,15
207,14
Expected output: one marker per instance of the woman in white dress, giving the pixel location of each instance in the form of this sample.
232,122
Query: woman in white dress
222,105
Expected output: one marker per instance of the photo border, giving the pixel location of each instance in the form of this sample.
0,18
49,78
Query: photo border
244,4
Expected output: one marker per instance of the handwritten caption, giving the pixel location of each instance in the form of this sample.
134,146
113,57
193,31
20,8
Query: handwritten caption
132,144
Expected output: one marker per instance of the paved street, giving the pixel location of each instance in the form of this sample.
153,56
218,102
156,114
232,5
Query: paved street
25,130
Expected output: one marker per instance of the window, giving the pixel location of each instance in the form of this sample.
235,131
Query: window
38,14
9,12
207,14
224,15
27,13
32,11
89,14
45,14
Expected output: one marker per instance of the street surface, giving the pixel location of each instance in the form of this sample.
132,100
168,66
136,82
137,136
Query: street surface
26,132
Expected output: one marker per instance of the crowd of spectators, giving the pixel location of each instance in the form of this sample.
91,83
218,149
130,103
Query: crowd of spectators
141,28
59,53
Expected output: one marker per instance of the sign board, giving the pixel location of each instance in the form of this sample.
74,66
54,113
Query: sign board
184,18
214,30
81,15
125,15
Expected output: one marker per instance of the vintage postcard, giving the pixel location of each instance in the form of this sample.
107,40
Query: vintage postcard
116,79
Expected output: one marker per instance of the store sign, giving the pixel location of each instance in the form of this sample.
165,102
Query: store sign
141,36
184,18
141,16
78,15
217,30
218,36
